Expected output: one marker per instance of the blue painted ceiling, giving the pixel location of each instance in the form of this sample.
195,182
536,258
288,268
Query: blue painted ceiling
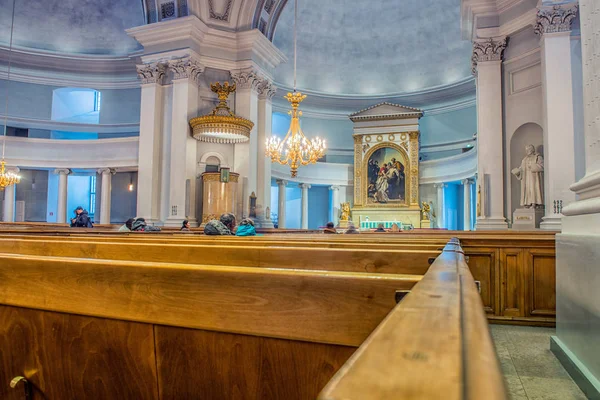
72,26
373,47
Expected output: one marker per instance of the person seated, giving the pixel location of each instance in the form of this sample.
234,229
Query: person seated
395,228
246,228
330,229
224,226
127,226
82,219
185,226
351,229
139,225
380,228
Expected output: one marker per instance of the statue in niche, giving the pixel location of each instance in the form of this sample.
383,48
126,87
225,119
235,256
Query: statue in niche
530,175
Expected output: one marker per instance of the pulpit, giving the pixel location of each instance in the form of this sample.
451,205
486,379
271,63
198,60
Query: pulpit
219,194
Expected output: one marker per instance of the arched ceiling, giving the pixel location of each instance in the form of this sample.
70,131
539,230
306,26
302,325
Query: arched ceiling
95,27
356,47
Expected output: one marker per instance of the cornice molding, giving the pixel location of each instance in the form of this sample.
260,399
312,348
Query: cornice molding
35,123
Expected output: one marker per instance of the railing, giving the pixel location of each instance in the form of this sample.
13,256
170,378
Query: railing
435,344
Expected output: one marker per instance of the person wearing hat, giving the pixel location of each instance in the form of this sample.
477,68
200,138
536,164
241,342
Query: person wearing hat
82,219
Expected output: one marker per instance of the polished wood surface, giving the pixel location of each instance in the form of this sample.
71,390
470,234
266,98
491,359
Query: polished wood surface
73,357
434,345
322,306
198,364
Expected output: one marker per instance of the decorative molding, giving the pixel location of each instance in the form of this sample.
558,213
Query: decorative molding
153,73
490,49
266,90
35,123
555,19
106,171
62,171
281,182
224,16
186,68
248,78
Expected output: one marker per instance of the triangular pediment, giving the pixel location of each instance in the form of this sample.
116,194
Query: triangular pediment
386,110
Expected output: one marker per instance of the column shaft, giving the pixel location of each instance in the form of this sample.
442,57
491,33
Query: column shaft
441,208
282,200
335,204
264,127
467,204
304,202
105,195
61,213
9,204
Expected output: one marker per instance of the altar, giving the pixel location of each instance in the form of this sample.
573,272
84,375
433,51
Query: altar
386,165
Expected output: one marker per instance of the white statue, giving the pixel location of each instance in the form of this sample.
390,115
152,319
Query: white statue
530,175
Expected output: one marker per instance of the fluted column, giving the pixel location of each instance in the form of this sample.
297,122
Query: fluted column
61,212
266,91
441,221
282,200
304,203
182,165
150,141
335,204
487,66
554,27
467,203
105,195
9,199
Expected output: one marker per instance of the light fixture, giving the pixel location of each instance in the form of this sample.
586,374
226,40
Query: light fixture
8,178
221,125
130,187
295,149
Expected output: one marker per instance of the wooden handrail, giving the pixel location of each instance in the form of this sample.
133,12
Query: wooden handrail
435,344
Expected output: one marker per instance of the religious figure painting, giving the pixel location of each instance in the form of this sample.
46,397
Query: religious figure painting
386,178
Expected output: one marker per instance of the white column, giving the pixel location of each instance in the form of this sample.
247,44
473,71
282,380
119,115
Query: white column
559,128
9,199
304,203
487,65
245,155
441,207
335,204
282,200
151,118
182,165
266,90
61,212
105,195
467,203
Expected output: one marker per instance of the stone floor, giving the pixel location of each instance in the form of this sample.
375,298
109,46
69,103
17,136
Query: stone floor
531,370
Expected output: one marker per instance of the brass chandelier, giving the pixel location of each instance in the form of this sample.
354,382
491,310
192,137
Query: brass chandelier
8,178
221,125
295,149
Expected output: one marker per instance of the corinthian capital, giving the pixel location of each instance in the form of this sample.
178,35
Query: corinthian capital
151,73
266,89
490,49
555,19
186,68
247,78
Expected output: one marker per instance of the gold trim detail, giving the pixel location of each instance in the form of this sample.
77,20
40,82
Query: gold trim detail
368,139
379,138
391,137
208,217
216,177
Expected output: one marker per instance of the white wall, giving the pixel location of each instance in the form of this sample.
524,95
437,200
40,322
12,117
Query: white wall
35,196
120,106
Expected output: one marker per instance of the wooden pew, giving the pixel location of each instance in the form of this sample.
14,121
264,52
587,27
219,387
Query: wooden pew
313,258
434,345
85,328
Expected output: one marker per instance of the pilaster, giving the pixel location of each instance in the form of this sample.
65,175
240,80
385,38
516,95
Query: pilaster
334,210
304,204
487,66
281,203
61,212
554,27
266,91
9,198
105,195
441,206
467,203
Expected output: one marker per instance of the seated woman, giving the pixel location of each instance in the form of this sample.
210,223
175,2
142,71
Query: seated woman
127,226
330,229
185,226
351,229
380,228
246,228
395,228
224,226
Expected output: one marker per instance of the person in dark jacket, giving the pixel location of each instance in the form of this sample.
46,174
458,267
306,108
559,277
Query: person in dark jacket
330,229
246,228
224,226
140,226
380,228
82,219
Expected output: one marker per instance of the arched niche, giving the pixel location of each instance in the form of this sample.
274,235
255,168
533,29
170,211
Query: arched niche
529,133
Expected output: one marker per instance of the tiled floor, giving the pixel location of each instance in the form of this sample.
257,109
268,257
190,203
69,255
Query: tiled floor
531,370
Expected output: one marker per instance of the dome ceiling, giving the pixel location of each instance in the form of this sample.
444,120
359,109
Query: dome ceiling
356,47
95,27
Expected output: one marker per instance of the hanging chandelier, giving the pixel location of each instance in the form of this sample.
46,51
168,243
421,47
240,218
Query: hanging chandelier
221,125
295,149
8,178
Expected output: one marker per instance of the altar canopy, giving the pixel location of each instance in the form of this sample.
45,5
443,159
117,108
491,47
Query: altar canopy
386,164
